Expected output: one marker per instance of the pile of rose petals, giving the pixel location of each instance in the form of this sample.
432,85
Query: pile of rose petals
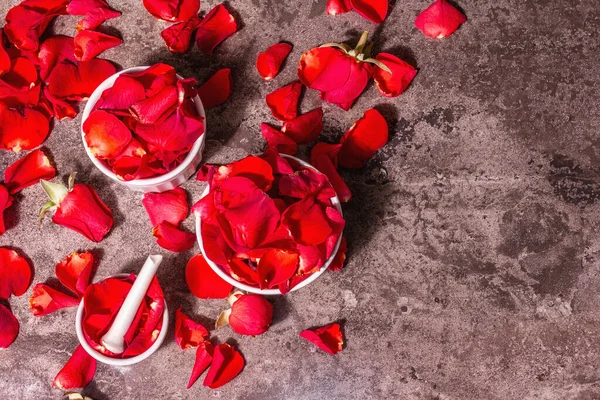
16,276
268,221
145,124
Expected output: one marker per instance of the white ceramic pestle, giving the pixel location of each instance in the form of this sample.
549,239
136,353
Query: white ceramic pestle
114,340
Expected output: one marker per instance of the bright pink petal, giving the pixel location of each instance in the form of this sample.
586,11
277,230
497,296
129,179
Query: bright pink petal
393,84
269,62
283,102
373,10
28,171
328,338
278,140
324,157
227,363
15,272
177,37
363,139
89,44
45,300
203,282
155,78
306,127
217,89
305,183
170,237
440,19
77,372
9,327
216,26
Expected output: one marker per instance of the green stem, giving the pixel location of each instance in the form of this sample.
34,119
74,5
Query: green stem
362,42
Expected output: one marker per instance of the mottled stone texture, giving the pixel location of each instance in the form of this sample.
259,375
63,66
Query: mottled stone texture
473,268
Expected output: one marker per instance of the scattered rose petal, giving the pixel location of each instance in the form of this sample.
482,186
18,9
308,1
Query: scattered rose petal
328,338
170,237
106,135
324,68
25,25
6,201
335,7
170,206
392,85
363,139
324,157
344,96
61,109
204,354
177,37
5,61
278,140
283,102
251,314
77,372
54,50
95,11
77,82
269,62
188,333
89,44
172,11
15,272
203,282
125,92
275,267
23,129
28,171
306,127
216,26
373,10
440,19
9,327
226,364
340,257
75,272
45,300
217,89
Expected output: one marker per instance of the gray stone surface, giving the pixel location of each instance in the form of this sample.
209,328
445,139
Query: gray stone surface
473,268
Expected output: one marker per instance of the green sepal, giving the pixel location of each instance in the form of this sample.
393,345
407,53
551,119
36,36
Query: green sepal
48,206
379,64
55,191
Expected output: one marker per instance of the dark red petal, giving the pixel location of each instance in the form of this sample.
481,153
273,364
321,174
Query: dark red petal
344,96
275,267
89,44
20,86
324,157
188,333
95,11
279,164
125,92
9,327
75,272
217,89
15,272
5,61
203,281
77,372
328,338
305,183
340,257
156,109
54,50
28,171
269,62
373,10
440,19
82,211
392,85
307,222
251,314
335,7
170,237
254,168
177,37
77,82
283,102
172,11
363,139
324,68
217,26
45,300
170,206
23,129
227,363
278,140
204,354
6,201
155,78
306,127
106,135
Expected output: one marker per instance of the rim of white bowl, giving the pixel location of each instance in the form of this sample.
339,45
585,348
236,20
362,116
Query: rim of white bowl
196,148
120,361
335,202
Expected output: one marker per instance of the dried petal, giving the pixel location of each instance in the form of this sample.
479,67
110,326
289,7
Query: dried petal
328,338
217,89
227,363
440,19
188,333
278,140
373,10
393,84
276,267
203,282
340,257
172,11
170,206
204,354
6,201
77,82
9,327
269,62
45,300
23,129
75,272
363,139
306,127
105,134
251,314
335,7
216,26
15,272
177,37
170,237
283,102
324,68
77,372
89,44
324,157
344,96
28,171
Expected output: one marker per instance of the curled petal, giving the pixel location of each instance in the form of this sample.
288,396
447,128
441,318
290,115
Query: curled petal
9,327
328,338
276,267
6,201
157,108
254,168
204,354
106,135
54,50
28,171
373,10
127,168
20,86
335,7
279,165
251,314
340,258
306,127
172,11
304,183
25,25
89,44
45,300
61,109
440,19
307,222
324,157
269,62
344,96
77,372
217,89
283,102
393,84
170,206
23,129
77,82
155,78
324,68
170,237
177,37
363,139
15,272
227,363
125,92
203,282
75,272
241,271
215,27
278,140
95,11
188,333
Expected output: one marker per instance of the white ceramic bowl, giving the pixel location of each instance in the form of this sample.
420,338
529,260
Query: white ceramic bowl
119,361
335,202
161,183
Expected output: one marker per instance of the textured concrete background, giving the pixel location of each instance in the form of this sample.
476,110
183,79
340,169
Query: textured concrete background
473,268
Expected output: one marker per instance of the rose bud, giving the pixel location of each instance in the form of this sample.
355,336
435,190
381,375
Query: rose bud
77,207
250,314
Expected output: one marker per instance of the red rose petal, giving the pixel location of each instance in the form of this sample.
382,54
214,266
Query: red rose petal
170,237
157,108
188,333
392,85
6,201
106,135
15,272
89,44
278,140
440,19
328,338
363,139
127,168
344,96
340,258
251,314
9,327
172,11
306,127
217,89
324,157
305,183
241,271
324,68
269,62
61,109
203,282
28,171
77,372
283,102
335,7
177,37
5,61
275,267
279,164
373,10
20,86
227,363
215,245
45,300
204,354
307,222
155,78
216,26
311,258
254,168
77,82
75,272
336,222
54,50
170,206
25,25
23,129
125,92
95,11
